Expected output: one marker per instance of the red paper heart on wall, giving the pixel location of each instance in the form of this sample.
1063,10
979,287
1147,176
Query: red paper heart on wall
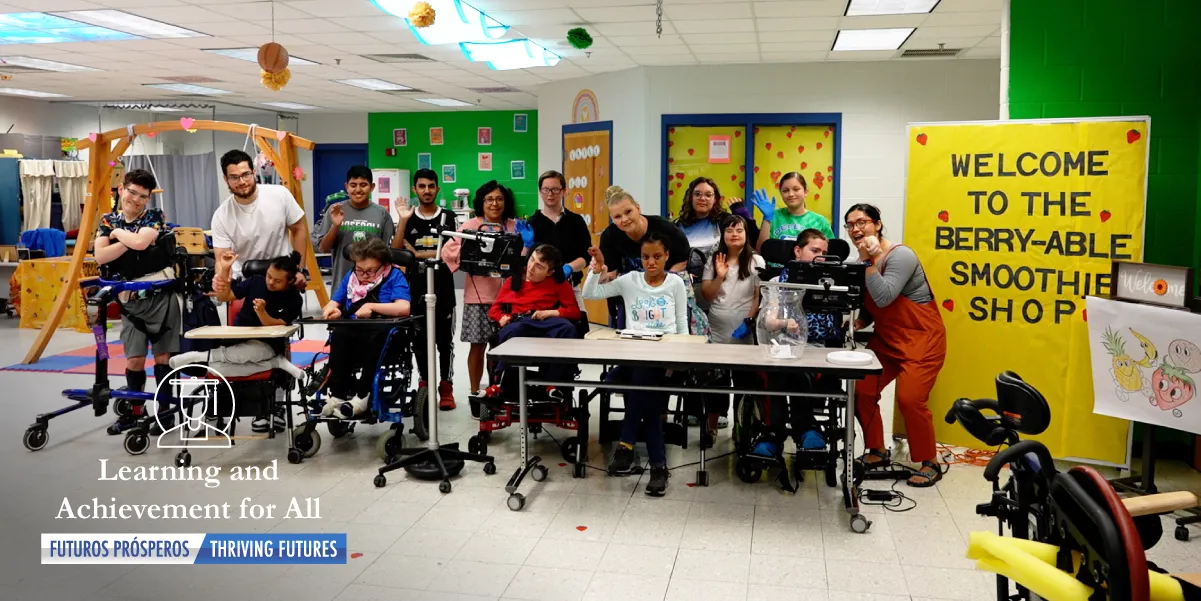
800,149
804,165
948,304
779,155
921,139
679,175
671,160
690,151
742,185
734,177
742,168
756,170
819,145
944,216
671,130
738,133
670,143
756,130
827,133
788,135
767,146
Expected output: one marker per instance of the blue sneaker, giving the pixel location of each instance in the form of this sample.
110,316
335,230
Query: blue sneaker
812,440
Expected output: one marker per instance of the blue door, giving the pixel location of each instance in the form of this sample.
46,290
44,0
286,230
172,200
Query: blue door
330,163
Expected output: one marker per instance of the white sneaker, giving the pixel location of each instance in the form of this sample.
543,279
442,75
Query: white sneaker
360,404
353,407
331,406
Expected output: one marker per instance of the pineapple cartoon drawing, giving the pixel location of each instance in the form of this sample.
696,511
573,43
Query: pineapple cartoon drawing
1125,372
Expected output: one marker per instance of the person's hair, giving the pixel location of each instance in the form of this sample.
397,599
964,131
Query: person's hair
552,174
744,256
810,234
425,174
287,265
616,194
870,210
554,263
142,178
371,248
234,157
792,175
510,211
654,236
716,215
360,172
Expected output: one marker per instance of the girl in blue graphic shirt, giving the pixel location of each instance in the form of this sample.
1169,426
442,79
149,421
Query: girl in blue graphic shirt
374,287
657,303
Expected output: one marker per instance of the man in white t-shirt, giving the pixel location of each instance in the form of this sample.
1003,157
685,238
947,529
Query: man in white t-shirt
257,222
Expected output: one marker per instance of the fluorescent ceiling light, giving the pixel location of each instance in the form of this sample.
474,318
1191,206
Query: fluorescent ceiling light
131,24
42,28
375,85
871,39
132,106
456,22
44,65
252,55
510,54
443,102
186,88
30,93
289,105
890,7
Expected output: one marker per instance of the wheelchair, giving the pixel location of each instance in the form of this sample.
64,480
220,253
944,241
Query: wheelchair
391,397
1071,514
498,407
762,425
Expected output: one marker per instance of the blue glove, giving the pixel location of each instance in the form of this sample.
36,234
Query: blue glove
766,206
742,332
527,233
567,270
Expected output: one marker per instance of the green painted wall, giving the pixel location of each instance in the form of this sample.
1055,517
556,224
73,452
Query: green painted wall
460,148
1092,58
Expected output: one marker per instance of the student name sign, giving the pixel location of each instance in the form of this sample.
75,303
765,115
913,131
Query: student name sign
1016,222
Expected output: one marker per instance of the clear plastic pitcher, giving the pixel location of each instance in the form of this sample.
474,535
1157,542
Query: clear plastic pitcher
783,331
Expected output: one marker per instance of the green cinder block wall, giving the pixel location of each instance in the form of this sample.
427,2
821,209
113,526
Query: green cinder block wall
460,148
1099,58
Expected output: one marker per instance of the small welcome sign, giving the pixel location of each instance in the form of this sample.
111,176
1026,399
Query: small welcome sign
1163,285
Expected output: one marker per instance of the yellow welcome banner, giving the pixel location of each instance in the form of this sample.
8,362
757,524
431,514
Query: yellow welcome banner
1015,223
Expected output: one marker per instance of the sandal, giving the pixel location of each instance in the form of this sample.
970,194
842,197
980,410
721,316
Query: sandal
883,459
929,478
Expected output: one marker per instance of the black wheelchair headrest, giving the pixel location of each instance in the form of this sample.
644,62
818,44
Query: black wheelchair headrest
1021,406
255,267
400,257
777,251
839,248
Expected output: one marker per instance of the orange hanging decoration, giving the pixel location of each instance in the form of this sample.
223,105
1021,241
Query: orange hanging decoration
422,15
273,57
276,81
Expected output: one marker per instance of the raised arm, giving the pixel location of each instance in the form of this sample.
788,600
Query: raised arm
681,306
887,286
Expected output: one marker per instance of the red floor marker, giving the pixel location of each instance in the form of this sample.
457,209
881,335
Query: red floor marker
355,555
581,528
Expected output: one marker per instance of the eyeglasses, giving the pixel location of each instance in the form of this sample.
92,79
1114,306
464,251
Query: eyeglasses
366,273
494,201
857,225
550,191
705,195
135,194
242,177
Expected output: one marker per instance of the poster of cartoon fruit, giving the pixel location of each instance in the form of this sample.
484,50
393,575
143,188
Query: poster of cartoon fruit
688,159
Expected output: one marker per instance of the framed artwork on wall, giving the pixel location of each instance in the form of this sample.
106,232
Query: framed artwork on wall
448,174
483,136
517,170
485,161
521,123
424,160
435,136
400,137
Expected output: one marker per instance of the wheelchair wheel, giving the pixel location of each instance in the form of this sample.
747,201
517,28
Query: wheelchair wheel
123,407
832,474
35,439
308,443
570,447
746,471
389,444
136,443
421,420
476,445
338,429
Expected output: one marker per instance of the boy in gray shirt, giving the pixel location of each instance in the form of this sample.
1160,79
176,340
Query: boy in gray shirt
356,219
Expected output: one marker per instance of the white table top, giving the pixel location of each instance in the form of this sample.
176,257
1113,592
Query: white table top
240,332
670,355
608,334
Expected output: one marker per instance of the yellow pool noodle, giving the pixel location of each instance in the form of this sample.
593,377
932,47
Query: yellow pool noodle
1165,588
1008,557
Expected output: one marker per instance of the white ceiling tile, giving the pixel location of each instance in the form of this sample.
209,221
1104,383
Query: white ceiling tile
256,40
968,5
720,26
733,58
636,28
229,28
516,18
882,21
990,42
793,57
127,4
797,24
950,19
302,26
327,9
696,12
638,51
54,5
795,47
621,41
863,55
948,43
372,23
623,14
694,39
800,8
937,34
990,52
720,48
182,16
204,42
667,60
785,37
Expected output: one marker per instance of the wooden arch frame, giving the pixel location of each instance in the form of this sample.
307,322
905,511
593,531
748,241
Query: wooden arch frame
103,155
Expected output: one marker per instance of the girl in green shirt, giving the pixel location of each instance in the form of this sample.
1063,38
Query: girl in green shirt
787,224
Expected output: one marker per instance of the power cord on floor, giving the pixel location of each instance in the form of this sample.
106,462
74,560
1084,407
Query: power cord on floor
891,500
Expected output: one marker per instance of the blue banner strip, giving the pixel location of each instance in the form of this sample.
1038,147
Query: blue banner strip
272,549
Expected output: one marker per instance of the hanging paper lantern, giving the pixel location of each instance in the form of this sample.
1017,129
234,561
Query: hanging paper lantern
579,38
276,81
421,15
273,58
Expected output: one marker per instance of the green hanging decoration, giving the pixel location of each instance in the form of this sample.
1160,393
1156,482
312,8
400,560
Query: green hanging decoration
579,38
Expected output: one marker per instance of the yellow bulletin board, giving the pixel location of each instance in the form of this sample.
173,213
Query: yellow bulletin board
744,152
1015,223
588,167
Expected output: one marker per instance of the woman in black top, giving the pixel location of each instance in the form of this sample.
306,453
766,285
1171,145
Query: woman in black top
555,225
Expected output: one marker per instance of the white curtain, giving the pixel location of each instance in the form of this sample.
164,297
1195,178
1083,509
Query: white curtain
37,186
189,183
72,183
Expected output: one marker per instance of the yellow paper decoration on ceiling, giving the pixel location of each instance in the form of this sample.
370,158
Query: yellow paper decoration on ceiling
422,15
276,81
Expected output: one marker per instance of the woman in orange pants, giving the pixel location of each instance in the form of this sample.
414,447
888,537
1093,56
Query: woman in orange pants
909,340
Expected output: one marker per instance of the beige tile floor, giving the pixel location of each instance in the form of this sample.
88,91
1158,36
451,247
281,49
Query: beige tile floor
596,538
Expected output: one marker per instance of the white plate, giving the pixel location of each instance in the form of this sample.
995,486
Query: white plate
849,358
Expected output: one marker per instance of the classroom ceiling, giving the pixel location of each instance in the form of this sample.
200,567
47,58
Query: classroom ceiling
337,34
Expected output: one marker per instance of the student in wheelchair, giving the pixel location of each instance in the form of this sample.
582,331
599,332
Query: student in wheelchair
375,287
537,303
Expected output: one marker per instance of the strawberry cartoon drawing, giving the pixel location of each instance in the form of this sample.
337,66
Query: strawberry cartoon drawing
1133,136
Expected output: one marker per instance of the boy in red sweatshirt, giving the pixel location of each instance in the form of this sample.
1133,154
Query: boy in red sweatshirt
539,303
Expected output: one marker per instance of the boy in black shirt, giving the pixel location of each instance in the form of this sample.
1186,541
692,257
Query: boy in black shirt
419,230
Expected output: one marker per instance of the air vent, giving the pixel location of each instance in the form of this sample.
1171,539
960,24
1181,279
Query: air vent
398,58
497,90
190,79
930,52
